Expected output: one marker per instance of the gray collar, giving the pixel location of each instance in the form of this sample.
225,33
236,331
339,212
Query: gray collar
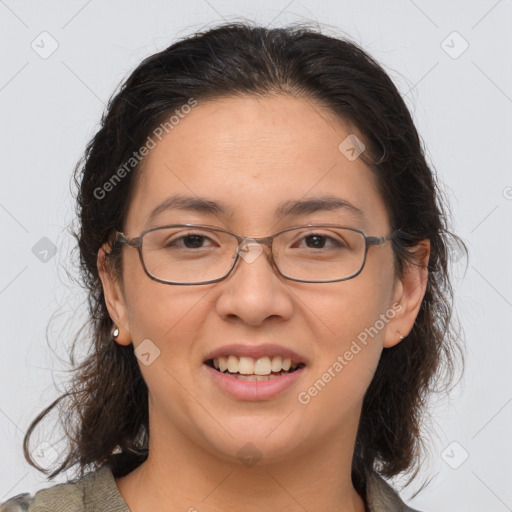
98,491
381,497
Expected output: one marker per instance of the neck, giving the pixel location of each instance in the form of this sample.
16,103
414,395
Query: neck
187,477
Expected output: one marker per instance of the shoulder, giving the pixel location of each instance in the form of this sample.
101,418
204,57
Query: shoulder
96,490
19,503
381,497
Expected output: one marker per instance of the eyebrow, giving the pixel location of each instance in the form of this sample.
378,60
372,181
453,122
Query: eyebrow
284,209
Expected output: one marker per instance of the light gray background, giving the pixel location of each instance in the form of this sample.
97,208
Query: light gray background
461,102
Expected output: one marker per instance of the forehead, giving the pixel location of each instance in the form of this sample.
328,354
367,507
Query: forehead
254,156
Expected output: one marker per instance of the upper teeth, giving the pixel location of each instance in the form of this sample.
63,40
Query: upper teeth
249,366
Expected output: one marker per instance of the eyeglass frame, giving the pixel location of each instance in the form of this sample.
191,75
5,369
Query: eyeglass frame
136,243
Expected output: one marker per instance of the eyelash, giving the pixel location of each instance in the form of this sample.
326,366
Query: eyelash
182,237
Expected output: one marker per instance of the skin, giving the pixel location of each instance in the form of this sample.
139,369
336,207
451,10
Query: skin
253,153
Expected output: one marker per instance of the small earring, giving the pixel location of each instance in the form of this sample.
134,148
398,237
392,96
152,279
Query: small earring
115,332
401,336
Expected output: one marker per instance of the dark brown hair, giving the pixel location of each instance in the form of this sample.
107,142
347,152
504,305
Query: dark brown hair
105,410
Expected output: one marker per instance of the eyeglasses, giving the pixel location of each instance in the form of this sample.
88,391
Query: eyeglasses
192,254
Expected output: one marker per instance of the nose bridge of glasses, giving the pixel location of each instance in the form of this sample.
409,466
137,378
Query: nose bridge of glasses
250,248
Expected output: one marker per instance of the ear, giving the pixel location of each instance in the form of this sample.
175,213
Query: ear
114,298
408,295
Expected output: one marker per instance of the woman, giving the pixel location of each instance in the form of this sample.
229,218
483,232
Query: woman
266,253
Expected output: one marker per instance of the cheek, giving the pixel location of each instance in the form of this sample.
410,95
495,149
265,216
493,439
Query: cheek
343,311
350,320
167,315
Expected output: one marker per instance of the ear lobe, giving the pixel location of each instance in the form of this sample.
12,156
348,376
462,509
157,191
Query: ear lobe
114,298
409,293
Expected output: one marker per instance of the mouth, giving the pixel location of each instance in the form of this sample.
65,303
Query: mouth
254,369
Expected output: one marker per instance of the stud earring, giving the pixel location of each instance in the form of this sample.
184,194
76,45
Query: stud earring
115,332
400,334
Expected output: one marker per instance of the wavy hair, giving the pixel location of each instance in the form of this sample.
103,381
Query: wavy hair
105,408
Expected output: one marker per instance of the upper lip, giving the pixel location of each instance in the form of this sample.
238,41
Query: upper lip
256,351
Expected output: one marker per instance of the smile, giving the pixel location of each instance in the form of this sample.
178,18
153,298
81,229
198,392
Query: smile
254,369
250,386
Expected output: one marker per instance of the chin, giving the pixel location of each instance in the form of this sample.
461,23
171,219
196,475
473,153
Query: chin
269,441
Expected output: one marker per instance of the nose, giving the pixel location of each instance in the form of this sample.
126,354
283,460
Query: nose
254,291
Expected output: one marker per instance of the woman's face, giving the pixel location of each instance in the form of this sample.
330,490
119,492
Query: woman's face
251,155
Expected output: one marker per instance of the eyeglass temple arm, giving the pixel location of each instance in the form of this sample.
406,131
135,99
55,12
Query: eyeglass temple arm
379,240
121,238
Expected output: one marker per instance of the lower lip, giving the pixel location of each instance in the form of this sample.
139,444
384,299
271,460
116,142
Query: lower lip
254,390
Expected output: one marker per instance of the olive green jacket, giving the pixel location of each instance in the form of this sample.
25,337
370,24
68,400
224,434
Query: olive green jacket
97,492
